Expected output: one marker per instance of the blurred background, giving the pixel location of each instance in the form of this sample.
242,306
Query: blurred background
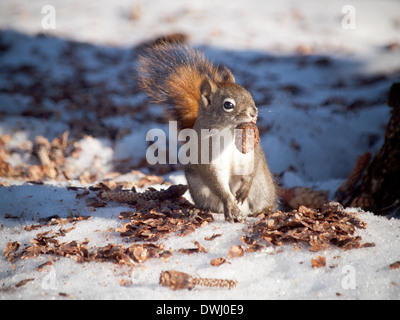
275,26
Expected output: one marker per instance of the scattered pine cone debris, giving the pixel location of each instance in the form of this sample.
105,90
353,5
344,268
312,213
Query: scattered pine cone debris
46,243
158,213
161,213
319,229
118,195
50,158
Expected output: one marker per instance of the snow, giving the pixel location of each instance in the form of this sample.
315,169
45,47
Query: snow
264,275
304,71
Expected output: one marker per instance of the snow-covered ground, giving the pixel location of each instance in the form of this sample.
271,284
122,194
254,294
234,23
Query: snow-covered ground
321,91
270,274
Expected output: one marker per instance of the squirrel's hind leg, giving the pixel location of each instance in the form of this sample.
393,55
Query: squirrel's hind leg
262,195
201,195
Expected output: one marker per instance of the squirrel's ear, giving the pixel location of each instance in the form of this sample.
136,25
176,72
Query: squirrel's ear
207,88
225,75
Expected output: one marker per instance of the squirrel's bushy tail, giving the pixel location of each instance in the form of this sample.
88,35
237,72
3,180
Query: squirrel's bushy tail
172,74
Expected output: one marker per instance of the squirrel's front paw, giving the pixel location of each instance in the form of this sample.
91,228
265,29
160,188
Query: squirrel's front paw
243,192
232,213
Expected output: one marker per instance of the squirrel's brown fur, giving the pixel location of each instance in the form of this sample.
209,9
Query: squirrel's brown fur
172,74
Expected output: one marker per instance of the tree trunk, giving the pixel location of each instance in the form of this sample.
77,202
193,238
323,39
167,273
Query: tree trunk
381,182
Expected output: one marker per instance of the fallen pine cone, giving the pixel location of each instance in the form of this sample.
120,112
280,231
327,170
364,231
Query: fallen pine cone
179,280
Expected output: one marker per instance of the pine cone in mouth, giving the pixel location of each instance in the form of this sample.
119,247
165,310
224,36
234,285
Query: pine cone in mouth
249,137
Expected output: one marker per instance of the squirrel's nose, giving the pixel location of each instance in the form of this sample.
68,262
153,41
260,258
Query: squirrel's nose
252,114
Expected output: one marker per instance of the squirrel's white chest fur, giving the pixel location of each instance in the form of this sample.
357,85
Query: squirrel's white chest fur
231,162
231,165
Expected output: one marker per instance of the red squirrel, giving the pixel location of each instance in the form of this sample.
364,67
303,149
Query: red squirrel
206,98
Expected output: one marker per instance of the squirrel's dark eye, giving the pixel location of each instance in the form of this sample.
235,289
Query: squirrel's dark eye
229,105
